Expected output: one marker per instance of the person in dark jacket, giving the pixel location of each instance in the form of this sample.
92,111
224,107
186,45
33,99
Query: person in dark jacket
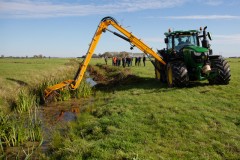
136,60
139,61
124,62
144,60
106,59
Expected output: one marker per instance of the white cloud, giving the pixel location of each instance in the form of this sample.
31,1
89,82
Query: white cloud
199,17
211,2
47,8
227,39
43,9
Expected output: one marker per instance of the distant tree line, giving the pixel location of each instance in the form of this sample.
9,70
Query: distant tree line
35,56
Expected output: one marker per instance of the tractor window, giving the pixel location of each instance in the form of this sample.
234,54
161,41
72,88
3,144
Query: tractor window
182,40
169,45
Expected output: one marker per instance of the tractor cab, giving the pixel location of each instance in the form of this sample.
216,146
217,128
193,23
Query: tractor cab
179,39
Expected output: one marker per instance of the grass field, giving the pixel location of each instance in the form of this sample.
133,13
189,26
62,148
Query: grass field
147,120
144,119
16,74
19,123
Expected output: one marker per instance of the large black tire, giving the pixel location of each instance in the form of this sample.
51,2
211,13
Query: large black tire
177,74
223,71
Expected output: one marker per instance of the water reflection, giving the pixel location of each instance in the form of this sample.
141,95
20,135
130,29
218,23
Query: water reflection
90,80
68,115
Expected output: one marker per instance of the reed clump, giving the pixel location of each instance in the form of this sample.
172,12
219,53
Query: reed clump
25,101
84,90
22,125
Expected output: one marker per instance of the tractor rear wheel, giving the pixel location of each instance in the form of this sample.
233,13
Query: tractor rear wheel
177,74
223,69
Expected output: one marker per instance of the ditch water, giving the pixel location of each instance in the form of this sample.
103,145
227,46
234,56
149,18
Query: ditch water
91,82
56,115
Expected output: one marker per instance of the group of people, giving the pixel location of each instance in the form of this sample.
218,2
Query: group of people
126,61
138,61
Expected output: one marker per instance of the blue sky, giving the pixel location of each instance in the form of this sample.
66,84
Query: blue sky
65,28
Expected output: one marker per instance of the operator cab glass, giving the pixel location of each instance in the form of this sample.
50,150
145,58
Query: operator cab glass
178,39
169,44
181,41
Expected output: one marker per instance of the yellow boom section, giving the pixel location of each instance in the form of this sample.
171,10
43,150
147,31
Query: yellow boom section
102,27
137,42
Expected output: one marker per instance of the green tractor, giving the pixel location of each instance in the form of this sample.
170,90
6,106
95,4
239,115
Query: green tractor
189,58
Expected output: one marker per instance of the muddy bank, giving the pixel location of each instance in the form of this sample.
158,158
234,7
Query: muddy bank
109,76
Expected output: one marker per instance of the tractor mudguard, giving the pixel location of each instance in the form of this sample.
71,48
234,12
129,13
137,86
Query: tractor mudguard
214,56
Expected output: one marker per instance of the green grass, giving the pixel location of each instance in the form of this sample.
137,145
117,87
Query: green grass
16,74
22,70
142,119
19,98
147,120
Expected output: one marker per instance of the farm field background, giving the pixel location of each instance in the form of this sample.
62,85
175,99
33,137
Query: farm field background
16,74
137,120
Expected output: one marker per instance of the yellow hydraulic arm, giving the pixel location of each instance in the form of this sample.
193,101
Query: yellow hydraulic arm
103,26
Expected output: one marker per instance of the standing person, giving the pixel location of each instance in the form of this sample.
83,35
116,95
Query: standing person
119,59
124,62
128,61
114,61
136,60
139,61
144,60
106,59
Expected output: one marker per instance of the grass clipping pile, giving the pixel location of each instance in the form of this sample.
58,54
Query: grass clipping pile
106,77
110,76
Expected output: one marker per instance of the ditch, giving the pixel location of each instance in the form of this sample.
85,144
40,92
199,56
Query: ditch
55,116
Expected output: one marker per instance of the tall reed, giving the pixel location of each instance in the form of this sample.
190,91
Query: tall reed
16,130
25,101
84,90
22,125
34,126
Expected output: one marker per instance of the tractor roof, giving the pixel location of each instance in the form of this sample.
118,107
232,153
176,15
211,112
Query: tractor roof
180,32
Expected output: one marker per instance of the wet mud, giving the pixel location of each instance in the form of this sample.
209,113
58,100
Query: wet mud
56,115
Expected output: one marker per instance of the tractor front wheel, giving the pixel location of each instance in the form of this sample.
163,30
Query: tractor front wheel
177,74
223,71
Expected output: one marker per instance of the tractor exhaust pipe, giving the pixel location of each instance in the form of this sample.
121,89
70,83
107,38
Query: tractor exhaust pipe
205,42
